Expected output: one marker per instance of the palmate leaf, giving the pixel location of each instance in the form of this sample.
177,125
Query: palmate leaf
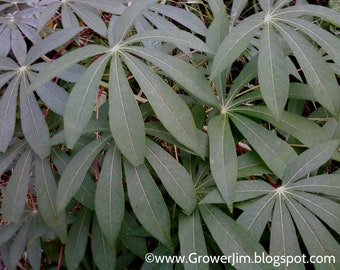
126,120
283,238
8,113
223,159
191,239
231,237
315,236
33,123
309,161
276,153
147,202
235,43
306,131
79,106
192,80
46,189
173,175
318,73
168,106
14,197
255,216
73,176
76,244
273,75
109,198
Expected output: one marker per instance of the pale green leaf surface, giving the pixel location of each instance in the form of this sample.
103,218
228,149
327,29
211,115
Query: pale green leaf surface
276,153
249,164
19,244
103,254
231,237
126,120
147,202
306,131
192,80
266,4
235,43
14,197
324,184
33,123
8,106
173,175
91,17
80,103
46,189
223,159
273,75
191,239
182,16
51,42
256,215
317,239
109,197
174,36
328,211
168,106
62,63
73,175
68,18
12,152
236,10
77,239
216,6
309,161
283,237
123,24
318,73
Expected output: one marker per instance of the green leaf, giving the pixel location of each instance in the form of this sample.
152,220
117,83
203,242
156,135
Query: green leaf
109,198
12,152
123,24
135,244
283,237
103,254
325,184
325,39
318,73
126,120
34,253
46,190
173,175
256,215
236,10
276,153
91,17
313,10
235,43
309,161
273,75
33,123
306,131
249,164
14,197
77,239
174,36
80,104
317,239
51,42
190,78
187,19
168,106
231,237
327,210
250,189
191,239
266,4
223,159
8,106
19,244
216,6
73,176
147,202
61,64
7,231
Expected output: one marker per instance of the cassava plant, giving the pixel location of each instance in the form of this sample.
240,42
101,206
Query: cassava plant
172,128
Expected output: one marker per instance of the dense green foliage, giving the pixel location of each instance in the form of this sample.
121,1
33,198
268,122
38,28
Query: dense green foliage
206,127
